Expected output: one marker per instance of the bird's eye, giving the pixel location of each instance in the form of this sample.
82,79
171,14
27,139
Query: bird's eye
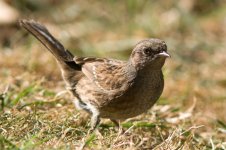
147,51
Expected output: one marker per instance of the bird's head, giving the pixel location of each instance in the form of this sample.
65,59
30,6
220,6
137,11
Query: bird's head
149,53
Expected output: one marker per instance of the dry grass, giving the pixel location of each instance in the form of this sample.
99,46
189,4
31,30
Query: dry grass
37,113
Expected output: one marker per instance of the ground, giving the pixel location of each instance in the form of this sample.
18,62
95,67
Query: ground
37,112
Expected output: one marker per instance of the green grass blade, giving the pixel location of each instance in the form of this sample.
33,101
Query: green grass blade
22,94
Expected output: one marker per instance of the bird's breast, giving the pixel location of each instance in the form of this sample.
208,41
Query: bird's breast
141,96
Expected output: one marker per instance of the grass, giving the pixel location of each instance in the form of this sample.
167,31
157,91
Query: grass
37,113
45,119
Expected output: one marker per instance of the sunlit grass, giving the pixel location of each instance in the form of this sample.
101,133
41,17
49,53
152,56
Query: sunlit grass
36,112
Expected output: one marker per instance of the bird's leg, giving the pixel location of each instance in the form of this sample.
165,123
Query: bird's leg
95,120
116,123
119,127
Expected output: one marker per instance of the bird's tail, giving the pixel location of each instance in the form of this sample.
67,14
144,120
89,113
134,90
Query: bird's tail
40,32
71,71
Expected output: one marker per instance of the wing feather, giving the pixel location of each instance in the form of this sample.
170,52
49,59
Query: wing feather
107,74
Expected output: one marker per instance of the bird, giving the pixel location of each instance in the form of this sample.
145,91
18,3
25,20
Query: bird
105,87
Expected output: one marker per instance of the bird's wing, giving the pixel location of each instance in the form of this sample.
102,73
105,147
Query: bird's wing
107,74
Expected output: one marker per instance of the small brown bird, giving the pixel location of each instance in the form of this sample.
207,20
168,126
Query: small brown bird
109,88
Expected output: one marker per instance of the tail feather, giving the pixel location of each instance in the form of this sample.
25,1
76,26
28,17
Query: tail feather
53,45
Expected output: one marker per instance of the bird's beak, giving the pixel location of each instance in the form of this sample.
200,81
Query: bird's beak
163,54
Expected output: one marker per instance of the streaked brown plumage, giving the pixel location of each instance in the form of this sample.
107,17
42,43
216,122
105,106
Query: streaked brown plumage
109,88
